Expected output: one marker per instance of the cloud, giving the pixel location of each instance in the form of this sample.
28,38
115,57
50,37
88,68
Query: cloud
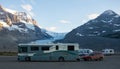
28,8
51,28
64,21
93,16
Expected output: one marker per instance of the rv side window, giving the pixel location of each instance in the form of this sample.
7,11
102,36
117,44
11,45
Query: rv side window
57,47
110,50
34,48
22,49
87,51
45,48
71,48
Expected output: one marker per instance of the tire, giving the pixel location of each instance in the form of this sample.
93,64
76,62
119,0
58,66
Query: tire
27,59
61,59
101,58
89,59
18,59
85,59
96,59
78,59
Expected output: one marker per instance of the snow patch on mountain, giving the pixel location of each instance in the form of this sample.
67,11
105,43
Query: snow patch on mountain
78,34
116,30
15,27
29,25
116,16
103,31
10,11
107,21
116,24
91,28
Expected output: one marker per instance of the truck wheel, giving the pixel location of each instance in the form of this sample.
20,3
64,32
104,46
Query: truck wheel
27,59
61,59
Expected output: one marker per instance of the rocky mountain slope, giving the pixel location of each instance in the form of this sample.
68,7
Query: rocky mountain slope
93,33
18,27
108,22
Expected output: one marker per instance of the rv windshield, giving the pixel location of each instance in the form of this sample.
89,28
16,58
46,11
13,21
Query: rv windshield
22,49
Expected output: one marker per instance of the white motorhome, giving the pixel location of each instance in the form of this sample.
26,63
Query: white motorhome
48,52
108,51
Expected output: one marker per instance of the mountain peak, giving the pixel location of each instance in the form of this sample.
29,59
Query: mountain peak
109,12
107,15
1,8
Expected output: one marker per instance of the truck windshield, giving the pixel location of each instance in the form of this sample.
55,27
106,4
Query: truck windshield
22,49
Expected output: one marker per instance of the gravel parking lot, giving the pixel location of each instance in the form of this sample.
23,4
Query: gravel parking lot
10,62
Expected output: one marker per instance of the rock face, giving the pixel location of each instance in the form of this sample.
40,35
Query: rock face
18,27
93,33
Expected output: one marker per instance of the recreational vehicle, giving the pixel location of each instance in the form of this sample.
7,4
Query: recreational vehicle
108,51
48,52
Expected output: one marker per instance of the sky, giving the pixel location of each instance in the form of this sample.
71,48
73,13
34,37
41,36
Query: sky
62,15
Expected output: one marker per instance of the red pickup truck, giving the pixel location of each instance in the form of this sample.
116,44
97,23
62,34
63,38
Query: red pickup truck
93,56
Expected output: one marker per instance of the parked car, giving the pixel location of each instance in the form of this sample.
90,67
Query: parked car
93,56
83,52
108,51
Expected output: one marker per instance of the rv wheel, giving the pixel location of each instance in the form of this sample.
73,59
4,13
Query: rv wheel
61,59
27,59
78,59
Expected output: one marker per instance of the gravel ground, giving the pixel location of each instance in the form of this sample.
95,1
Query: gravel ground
10,62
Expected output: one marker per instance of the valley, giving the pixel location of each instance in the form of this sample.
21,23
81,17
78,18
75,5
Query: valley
19,27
